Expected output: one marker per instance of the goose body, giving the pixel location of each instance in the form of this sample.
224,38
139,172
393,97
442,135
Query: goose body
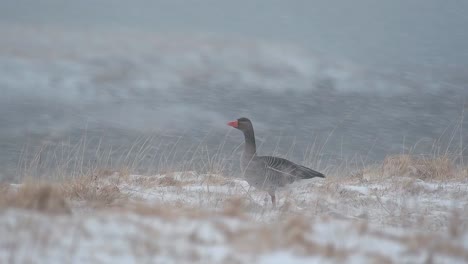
266,172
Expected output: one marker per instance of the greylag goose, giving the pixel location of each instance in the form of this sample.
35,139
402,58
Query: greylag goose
266,172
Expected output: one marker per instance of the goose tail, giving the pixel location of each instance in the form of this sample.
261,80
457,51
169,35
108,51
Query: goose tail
307,173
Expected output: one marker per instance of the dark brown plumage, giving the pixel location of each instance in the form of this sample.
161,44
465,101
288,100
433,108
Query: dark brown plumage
267,172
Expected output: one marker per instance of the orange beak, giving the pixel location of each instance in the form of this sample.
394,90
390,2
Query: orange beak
234,123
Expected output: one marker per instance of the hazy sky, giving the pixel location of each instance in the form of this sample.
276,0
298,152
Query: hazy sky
421,32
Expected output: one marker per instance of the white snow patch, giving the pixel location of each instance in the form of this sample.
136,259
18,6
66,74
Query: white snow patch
357,222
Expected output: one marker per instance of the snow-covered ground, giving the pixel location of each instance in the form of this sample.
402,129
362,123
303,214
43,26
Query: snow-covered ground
189,217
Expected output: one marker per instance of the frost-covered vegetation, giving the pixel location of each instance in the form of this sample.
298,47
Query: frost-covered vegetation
404,210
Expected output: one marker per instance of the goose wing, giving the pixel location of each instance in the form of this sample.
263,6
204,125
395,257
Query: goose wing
289,171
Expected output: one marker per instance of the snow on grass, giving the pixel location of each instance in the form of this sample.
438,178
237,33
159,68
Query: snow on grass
205,218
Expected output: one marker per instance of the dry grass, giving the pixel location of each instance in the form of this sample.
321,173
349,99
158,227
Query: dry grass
43,197
87,190
163,181
374,195
164,211
436,168
292,233
55,197
108,188
235,206
297,226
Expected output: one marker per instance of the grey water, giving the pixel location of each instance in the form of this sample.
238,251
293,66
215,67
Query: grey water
157,81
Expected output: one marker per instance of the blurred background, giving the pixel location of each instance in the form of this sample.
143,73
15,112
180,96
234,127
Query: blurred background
152,84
